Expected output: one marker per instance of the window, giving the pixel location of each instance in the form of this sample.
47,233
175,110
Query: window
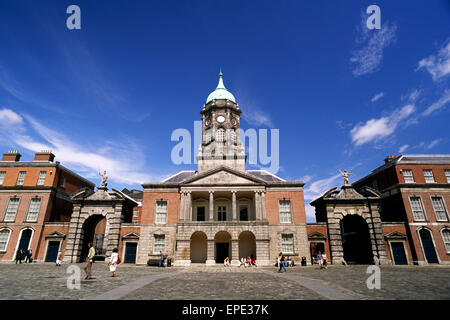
208,136
243,213
161,212
446,238
41,178
221,213
417,208
220,135
4,238
375,184
232,136
159,243
200,213
446,171
21,178
62,181
33,209
439,208
11,209
428,174
285,211
287,243
2,176
408,176
135,213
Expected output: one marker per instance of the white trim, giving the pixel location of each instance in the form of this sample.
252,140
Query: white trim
423,208
443,203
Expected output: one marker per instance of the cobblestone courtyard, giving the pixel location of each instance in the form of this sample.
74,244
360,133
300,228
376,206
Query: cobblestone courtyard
45,281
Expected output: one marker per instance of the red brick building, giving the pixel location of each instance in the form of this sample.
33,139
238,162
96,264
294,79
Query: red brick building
415,197
35,204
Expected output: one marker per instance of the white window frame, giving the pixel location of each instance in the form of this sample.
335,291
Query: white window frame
422,206
283,215
29,207
20,179
405,177
428,176
446,243
6,210
135,213
7,239
157,243
161,215
443,205
447,174
41,178
2,177
225,211
284,243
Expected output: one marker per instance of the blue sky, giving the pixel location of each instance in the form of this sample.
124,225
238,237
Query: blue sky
110,95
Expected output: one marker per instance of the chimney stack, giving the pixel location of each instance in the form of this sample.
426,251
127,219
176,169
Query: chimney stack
11,155
44,155
390,159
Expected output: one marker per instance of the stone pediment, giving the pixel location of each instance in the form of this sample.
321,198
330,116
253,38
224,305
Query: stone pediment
131,236
224,175
316,236
55,235
99,195
395,235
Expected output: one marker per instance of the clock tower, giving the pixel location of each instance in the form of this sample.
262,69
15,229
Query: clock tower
221,142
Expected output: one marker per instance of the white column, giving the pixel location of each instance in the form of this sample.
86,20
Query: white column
233,203
189,206
263,205
182,205
258,205
211,205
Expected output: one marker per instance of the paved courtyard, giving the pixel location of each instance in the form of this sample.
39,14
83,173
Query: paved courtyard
45,281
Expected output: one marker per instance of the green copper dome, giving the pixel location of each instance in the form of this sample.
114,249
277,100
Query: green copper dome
221,92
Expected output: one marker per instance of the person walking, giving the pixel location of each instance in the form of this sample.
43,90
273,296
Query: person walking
279,260
320,259
29,254
58,259
324,261
89,261
161,259
282,264
113,261
19,256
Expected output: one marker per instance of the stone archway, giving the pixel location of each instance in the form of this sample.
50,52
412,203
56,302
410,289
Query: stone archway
93,231
356,242
247,245
199,247
222,246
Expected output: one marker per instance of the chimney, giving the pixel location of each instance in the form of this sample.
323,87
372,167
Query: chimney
390,159
44,155
11,155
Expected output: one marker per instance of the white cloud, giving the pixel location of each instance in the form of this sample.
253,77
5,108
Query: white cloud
433,144
9,117
317,188
403,148
377,96
256,117
367,59
376,129
123,161
438,104
437,65
310,213
306,178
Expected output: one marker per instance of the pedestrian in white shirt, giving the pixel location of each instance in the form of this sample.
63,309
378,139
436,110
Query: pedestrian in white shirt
113,262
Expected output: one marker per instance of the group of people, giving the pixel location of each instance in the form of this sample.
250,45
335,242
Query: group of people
24,255
250,261
114,260
283,262
322,260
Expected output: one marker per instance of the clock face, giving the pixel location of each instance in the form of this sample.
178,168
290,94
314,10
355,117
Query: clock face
220,119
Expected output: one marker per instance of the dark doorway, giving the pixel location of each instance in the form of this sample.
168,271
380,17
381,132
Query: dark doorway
52,251
130,252
94,232
25,239
356,240
398,252
222,252
315,248
428,246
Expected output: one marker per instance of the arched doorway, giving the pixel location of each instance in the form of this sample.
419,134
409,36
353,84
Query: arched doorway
428,246
356,240
94,231
199,247
222,240
25,239
247,245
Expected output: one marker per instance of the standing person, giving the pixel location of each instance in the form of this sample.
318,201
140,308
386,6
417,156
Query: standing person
19,256
58,258
279,260
161,259
320,259
282,264
324,261
226,262
29,254
89,261
113,260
